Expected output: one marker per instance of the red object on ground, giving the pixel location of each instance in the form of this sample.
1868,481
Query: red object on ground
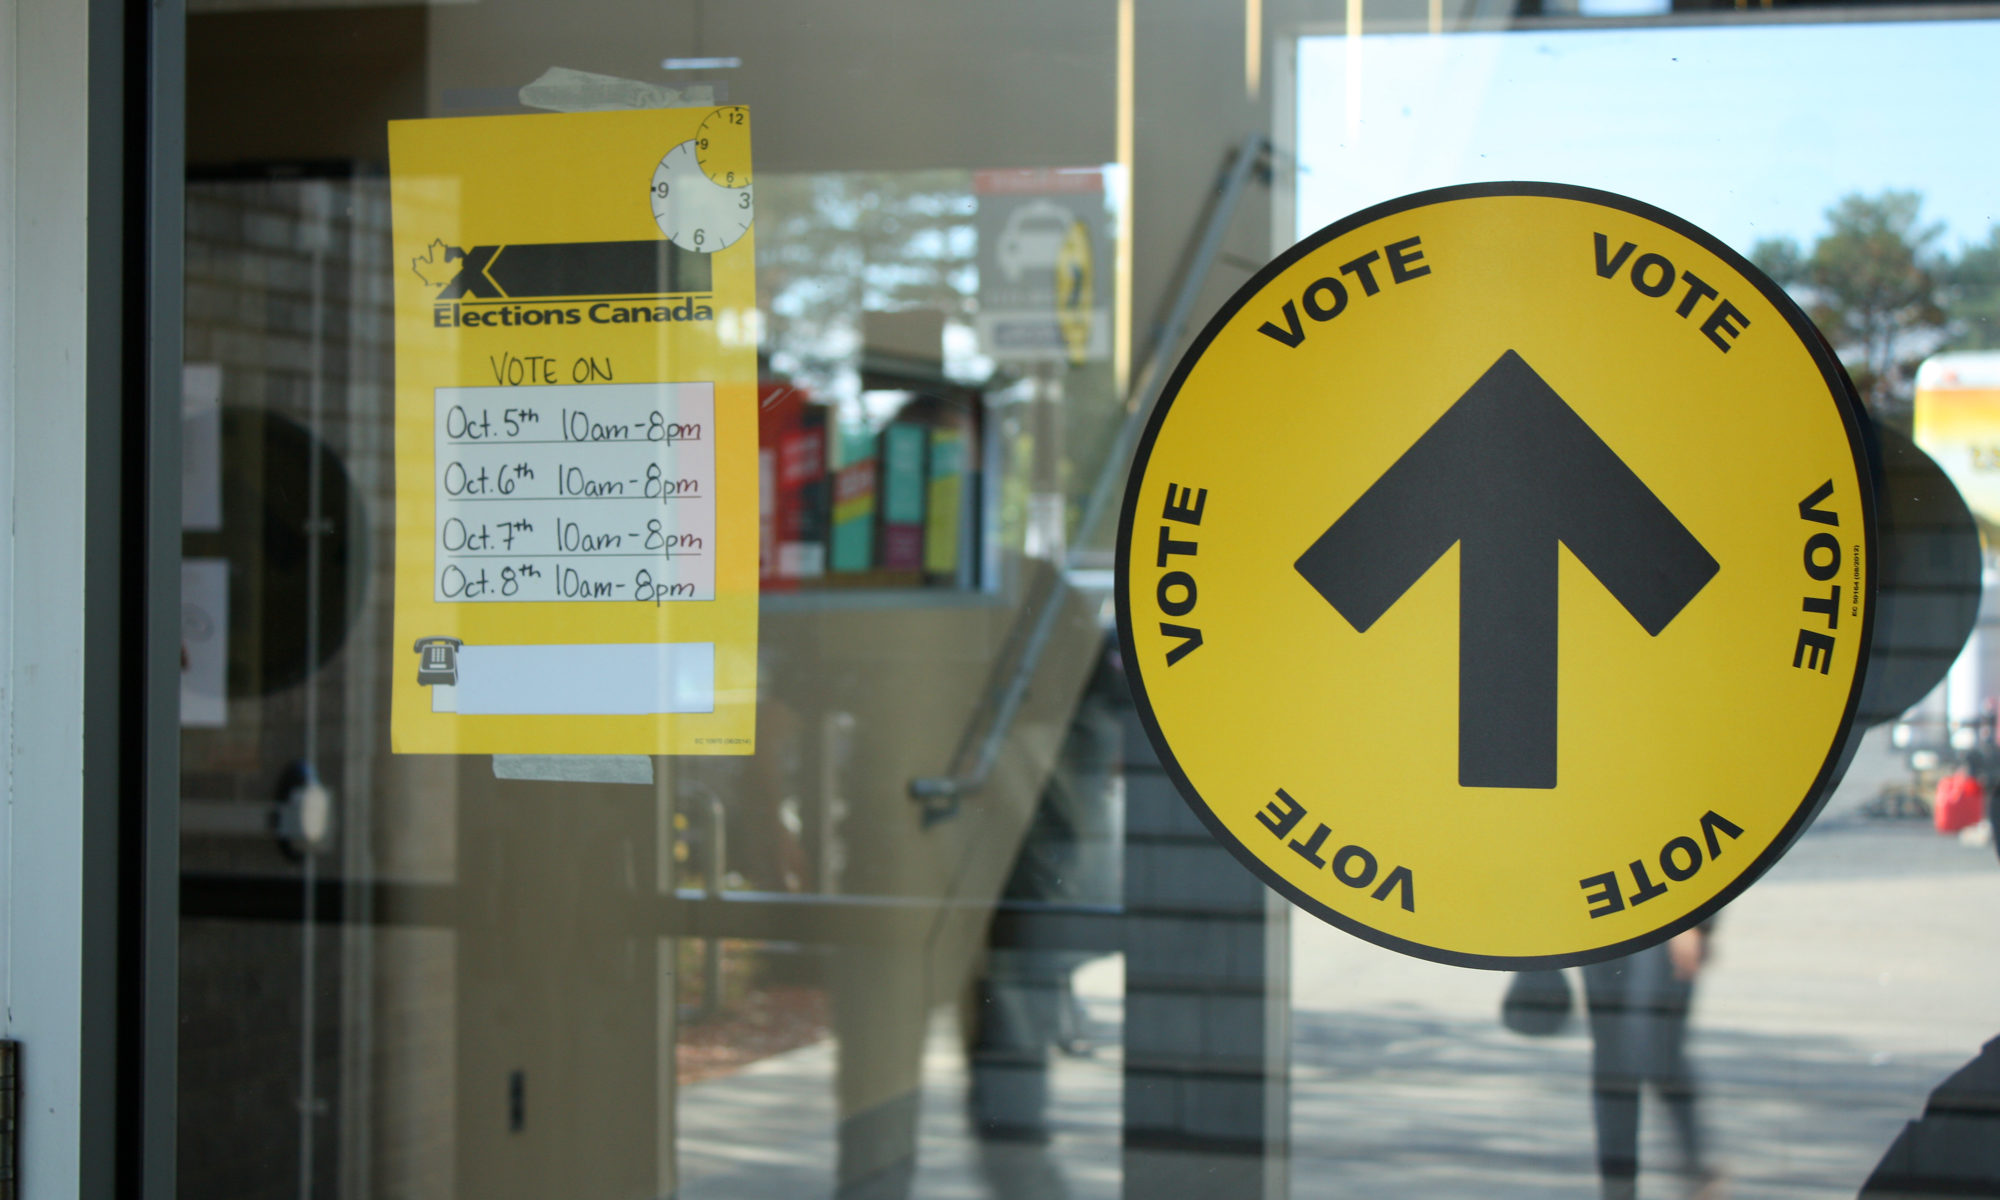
1960,802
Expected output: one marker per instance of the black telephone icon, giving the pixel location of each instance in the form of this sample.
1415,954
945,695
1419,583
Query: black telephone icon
437,661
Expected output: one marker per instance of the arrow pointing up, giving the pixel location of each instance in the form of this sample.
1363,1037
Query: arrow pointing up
1508,471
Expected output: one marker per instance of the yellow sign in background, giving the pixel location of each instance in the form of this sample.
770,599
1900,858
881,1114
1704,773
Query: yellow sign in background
576,425
1328,756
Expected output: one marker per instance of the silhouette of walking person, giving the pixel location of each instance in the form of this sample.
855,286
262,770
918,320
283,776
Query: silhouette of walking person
1638,1008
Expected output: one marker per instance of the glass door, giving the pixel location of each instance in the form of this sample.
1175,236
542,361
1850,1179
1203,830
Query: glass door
952,928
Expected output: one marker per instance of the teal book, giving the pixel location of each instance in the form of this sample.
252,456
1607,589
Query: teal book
904,446
854,508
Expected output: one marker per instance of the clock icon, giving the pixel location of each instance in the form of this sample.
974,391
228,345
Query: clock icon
695,212
722,143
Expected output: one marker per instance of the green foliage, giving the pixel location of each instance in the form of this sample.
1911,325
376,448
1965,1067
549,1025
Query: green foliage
1876,285
1781,260
833,246
1972,296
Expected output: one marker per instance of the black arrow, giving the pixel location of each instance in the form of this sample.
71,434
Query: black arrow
1506,473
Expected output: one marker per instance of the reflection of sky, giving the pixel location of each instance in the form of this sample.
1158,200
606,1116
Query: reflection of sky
1747,131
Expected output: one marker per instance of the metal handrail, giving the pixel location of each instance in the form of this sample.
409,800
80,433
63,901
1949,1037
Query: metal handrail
940,794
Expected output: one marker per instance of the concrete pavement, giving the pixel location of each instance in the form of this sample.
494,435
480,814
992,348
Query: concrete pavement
1846,984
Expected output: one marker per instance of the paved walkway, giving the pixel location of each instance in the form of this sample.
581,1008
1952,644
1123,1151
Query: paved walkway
1847,983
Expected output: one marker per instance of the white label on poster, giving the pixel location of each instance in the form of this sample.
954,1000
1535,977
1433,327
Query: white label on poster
632,678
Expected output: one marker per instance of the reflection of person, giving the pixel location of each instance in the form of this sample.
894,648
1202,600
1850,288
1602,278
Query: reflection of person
1022,1003
1953,1149
1638,1009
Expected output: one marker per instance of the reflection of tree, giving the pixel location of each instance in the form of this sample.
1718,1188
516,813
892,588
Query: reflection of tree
833,246
1974,296
1875,285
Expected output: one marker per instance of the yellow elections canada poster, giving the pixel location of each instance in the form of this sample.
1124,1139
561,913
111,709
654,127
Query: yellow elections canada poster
576,434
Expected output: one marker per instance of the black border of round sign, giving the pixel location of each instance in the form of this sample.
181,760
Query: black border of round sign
1858,437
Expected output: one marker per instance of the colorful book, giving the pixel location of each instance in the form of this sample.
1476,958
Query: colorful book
802,491
947,502
904,445
854,516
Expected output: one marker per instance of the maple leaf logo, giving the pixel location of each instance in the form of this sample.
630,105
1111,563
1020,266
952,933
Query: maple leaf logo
434,265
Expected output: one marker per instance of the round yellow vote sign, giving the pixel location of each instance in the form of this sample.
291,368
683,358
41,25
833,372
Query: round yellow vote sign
1496,574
